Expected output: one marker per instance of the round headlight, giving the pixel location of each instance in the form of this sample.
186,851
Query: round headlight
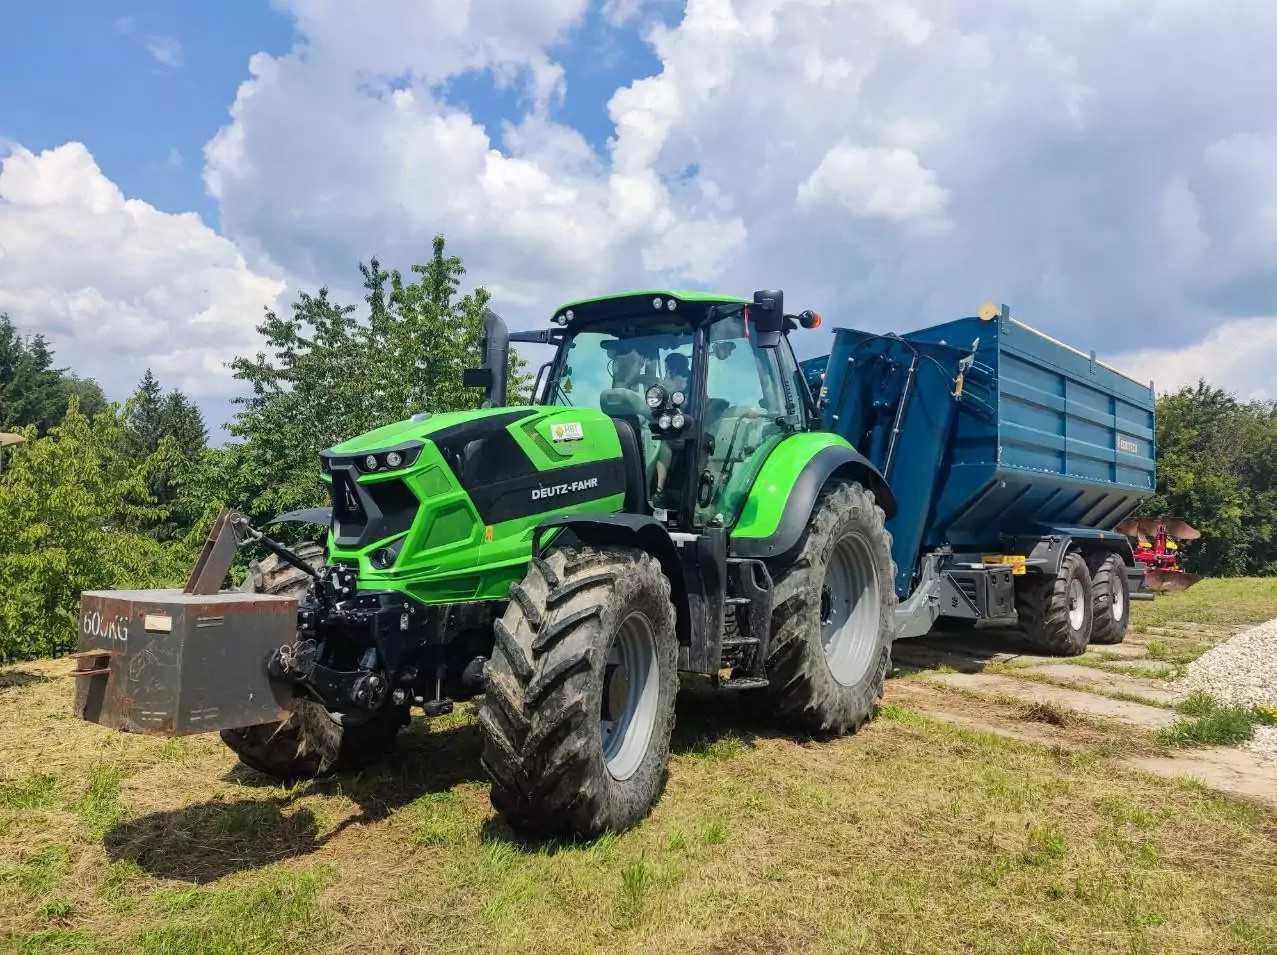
664,422
678,398
655,397
394,459
383,558
678,420
671,304
657,303
370,462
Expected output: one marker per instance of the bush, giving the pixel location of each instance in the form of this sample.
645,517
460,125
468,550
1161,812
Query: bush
75,515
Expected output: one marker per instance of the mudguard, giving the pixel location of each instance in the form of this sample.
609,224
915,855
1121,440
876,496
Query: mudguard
628,530
782,497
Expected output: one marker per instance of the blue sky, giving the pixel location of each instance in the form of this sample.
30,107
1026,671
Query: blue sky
168,171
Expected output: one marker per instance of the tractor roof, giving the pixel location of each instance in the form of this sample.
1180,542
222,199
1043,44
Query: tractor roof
606,306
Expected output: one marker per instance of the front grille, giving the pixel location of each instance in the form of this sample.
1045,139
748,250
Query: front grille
366,513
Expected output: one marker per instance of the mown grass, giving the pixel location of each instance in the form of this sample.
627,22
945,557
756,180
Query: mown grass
1207,722
1215,602
914,835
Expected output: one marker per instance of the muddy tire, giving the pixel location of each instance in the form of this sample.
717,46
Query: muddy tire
312,741
1056,612
579,694
1110,599
832,624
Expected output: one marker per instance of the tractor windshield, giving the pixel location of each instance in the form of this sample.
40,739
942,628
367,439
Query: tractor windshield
611,365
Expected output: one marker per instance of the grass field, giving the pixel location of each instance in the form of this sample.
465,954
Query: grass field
912,836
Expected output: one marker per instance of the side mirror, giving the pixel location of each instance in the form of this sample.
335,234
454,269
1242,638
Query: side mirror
768,315
495,348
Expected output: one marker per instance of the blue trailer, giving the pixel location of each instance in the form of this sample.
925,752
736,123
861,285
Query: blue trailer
1013,457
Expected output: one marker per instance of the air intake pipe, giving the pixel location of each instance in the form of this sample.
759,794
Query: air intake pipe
495,347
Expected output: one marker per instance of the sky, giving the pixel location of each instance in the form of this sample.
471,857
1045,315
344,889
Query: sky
1108,168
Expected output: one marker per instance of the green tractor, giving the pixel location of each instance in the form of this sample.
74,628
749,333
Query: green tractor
668,506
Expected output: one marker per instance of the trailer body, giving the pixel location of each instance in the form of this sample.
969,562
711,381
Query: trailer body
1001,444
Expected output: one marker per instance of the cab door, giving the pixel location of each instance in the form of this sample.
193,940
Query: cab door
750,406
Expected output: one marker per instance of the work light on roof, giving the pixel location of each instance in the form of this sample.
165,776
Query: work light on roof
671,304
657,303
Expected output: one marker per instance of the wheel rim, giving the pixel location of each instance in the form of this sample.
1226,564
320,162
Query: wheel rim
1118,603
1077,604
630,690
850,606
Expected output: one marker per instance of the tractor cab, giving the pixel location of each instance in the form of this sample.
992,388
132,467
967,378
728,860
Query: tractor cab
702,388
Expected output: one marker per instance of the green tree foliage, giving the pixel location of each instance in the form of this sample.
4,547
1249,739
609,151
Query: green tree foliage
1217,469
32,391
76,514
325,376
168,430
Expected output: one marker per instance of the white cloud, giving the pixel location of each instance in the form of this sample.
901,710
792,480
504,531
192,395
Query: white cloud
894,164
339,151
876,182
165,50
1238,355
117,285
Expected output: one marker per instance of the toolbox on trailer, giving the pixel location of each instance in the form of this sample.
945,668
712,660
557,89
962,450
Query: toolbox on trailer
169,663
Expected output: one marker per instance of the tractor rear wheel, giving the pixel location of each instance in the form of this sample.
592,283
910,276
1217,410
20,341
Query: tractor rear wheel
1056,612
1111,598
312,741
832,624
579,694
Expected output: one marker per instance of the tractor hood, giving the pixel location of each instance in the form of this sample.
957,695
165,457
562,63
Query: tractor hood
415,429
443,508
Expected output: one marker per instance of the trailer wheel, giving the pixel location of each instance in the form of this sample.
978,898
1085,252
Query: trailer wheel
831,629
1056,612
579,694
1111,598
312,741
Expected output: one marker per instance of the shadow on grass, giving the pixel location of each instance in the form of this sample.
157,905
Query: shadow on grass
963,650
208,840
12,679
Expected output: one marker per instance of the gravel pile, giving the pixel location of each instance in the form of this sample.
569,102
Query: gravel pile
1243,672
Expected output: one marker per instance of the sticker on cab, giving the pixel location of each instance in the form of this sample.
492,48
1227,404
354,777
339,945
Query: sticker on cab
566,431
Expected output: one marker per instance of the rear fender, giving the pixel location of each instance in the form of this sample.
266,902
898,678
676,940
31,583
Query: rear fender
1045,553
782,497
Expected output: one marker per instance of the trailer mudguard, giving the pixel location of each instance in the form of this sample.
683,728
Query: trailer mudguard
1045,553
627,530
782,497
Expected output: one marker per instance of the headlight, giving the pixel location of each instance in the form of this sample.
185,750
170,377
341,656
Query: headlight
664,422
678,420
655,397
677,399
392,460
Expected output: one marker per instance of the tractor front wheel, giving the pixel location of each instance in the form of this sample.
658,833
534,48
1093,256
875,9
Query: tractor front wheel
832,625
312,741
579,694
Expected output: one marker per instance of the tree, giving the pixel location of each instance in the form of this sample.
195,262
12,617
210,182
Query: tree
326,376
75,513
167,430
1217,468
31,389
